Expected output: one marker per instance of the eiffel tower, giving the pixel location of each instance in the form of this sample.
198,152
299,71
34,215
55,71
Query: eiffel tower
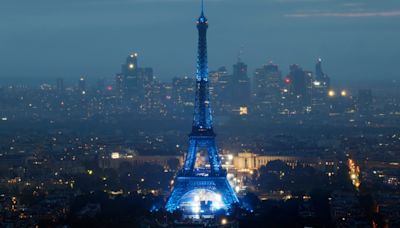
201,190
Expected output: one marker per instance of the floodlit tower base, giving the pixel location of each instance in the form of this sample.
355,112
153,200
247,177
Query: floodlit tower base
201,195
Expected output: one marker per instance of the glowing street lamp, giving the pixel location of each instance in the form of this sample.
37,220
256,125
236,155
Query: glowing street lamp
224,221
331,93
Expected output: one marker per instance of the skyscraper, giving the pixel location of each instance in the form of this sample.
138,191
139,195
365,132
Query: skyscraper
82,85
137,85
239,86
202,189
297,85
60,85
219,95
320,88
320,76
182,95
132,80
267,89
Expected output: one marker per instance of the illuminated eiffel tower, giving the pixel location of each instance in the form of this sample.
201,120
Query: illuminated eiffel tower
202,190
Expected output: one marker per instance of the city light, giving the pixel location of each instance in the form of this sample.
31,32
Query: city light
354,173
331,93
343,93
237,188
243,111
115,155
224,221
317,83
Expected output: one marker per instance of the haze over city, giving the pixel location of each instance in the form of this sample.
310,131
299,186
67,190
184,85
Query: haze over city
358,40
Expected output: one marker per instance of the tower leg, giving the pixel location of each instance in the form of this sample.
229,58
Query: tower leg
191,156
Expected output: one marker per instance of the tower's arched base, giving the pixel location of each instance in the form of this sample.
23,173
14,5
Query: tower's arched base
200,194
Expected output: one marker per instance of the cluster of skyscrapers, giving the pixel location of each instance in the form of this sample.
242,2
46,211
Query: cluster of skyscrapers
268,92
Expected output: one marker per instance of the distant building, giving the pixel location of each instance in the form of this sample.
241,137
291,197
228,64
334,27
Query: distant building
247,161
320,89
60,85
219,81
239,86
364,101
296,89
182,95
267,89
320,76
138,85
82,85
116,159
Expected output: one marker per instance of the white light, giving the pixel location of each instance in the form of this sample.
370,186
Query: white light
230,157
115,155
224,221
196,209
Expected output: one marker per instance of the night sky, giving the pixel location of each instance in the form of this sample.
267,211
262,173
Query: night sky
357,40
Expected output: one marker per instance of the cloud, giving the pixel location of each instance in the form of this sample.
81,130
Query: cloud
347,14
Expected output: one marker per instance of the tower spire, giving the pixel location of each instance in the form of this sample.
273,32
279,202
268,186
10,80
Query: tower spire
202,120
202,7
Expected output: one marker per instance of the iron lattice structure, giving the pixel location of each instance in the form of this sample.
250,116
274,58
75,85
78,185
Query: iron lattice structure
202,137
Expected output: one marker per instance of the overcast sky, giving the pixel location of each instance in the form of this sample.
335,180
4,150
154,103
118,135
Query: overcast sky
357,40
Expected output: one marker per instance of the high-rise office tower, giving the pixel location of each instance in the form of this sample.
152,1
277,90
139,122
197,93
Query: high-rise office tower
320,76
297,81
320,90
138,84
132,81
182,95
267,89
219,96
60,85
130,67
240,85
82,85
119,84
296,85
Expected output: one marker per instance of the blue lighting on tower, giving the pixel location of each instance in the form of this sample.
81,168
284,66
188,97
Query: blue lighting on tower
202,190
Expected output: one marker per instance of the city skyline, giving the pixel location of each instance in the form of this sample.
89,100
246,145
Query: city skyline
271,144
74,39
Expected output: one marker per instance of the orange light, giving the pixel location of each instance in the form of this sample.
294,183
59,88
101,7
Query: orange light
331,93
